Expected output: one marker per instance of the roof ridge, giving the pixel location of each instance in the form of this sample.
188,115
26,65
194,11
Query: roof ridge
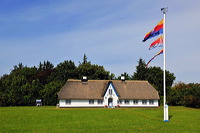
109,80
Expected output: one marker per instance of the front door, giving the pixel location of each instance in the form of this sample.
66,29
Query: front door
110,102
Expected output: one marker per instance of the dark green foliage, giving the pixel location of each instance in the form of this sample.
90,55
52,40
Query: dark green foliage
49,93
185,94
180,94
63,71
154,75
92,71
126,75
141,71
26,84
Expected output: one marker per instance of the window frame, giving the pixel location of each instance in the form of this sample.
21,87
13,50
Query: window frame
110,92
151,102
126,101
135,101
91,101
119,102
100,101
144,102
68,101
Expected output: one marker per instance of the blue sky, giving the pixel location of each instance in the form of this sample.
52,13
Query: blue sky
109,32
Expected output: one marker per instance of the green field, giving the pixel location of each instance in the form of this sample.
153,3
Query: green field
122,120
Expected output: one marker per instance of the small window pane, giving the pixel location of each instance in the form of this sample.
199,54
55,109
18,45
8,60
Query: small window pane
135,101
67,101
151,101
110,91
126,101
91,101
144,101
119,102
100,101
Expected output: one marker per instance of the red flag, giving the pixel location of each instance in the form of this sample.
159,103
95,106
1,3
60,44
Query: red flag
158,42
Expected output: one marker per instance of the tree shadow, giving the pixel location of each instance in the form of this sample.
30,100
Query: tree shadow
170,116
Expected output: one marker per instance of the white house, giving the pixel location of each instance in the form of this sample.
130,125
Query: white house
108,93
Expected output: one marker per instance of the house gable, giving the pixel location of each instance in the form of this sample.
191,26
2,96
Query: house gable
110,90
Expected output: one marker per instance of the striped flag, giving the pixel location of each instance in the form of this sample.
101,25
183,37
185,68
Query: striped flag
156,31
161,51
157,43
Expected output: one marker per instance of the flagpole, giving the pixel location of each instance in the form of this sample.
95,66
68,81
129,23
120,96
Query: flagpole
165,106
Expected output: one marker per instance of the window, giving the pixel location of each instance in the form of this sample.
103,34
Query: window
144,101
68,101
126,101
110,91
135,101
100,101
91,101
151,101
119,101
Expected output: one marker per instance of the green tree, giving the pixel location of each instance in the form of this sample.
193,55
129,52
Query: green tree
126,75
185,95
63,71
92,71
141,71
44,72
154,75
26,84
49,93
84,60
192,96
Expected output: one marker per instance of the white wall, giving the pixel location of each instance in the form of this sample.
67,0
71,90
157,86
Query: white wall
131,104
85,103
79,103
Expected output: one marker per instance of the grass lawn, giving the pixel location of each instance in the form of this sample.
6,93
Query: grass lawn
97,120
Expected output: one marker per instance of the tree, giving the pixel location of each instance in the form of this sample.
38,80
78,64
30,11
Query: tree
154,75
45,66
84,60
63,71
19,66
49,93
44,71
26,84
126,75
92,71
185,95
192,96
141,71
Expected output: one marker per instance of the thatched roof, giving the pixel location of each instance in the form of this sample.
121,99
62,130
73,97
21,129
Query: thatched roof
95,89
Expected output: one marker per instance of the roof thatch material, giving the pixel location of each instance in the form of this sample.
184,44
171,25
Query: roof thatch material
94,89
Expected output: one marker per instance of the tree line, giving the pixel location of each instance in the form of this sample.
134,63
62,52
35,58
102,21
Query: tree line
26,84
180,94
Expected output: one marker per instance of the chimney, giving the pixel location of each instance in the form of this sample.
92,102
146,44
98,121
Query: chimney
122,78
84,79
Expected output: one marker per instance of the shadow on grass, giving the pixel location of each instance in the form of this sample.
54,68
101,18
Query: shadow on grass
170,116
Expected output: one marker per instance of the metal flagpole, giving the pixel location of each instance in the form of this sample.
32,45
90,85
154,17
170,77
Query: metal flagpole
166,118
